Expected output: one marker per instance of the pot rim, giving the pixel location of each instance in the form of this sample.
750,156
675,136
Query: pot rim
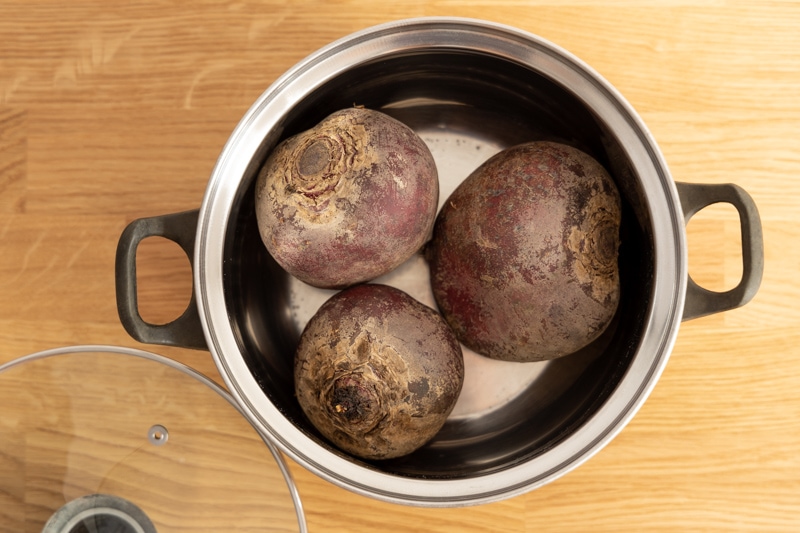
534,52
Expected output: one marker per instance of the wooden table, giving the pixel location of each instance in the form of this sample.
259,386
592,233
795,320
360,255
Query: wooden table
111,112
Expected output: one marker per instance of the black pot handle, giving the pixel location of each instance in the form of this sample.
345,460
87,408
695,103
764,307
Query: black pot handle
186,331
700,301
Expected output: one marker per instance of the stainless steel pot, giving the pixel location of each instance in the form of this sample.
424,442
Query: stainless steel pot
469,88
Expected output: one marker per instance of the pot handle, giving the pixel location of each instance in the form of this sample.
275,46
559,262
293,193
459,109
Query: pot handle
700,301
185,331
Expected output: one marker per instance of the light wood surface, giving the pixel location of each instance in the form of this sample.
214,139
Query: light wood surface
115,111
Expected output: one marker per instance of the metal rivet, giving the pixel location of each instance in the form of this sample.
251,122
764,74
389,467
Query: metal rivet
158,435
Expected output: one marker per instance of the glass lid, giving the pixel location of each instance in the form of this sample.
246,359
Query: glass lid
104,439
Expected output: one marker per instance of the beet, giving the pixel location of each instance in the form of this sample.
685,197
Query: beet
377,372
524,257
347,200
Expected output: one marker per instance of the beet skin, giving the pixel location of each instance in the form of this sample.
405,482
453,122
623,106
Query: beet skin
524,258
377,372
348,200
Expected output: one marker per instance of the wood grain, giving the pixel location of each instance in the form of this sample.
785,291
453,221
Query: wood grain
113,112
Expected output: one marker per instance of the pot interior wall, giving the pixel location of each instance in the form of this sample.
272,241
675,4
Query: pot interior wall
497,103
